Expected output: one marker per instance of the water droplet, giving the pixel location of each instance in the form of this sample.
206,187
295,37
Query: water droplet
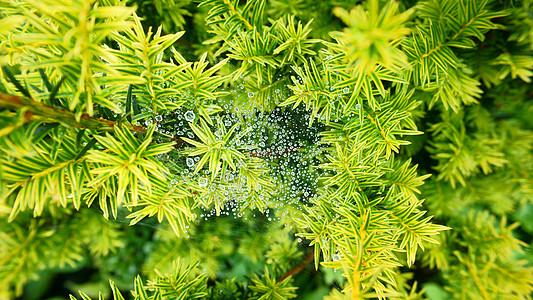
250,94
190,162
189,116
158,118
299,240
202,182
346,90
357,106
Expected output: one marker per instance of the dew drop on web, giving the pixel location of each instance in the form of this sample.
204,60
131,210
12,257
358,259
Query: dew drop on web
202,182
190,162
189,116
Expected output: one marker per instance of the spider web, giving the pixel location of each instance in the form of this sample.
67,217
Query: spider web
239,239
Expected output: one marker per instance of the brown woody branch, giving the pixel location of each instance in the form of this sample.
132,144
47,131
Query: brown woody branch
39,111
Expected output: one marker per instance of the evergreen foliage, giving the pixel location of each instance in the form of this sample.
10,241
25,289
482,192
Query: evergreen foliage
227,149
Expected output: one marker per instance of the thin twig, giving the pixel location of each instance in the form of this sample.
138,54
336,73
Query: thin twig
305,262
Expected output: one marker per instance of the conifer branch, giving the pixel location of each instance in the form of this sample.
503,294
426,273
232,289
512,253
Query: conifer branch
291,120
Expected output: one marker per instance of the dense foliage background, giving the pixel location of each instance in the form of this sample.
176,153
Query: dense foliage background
266,149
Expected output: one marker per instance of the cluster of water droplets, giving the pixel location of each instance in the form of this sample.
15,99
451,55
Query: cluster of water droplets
280,139
290,148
